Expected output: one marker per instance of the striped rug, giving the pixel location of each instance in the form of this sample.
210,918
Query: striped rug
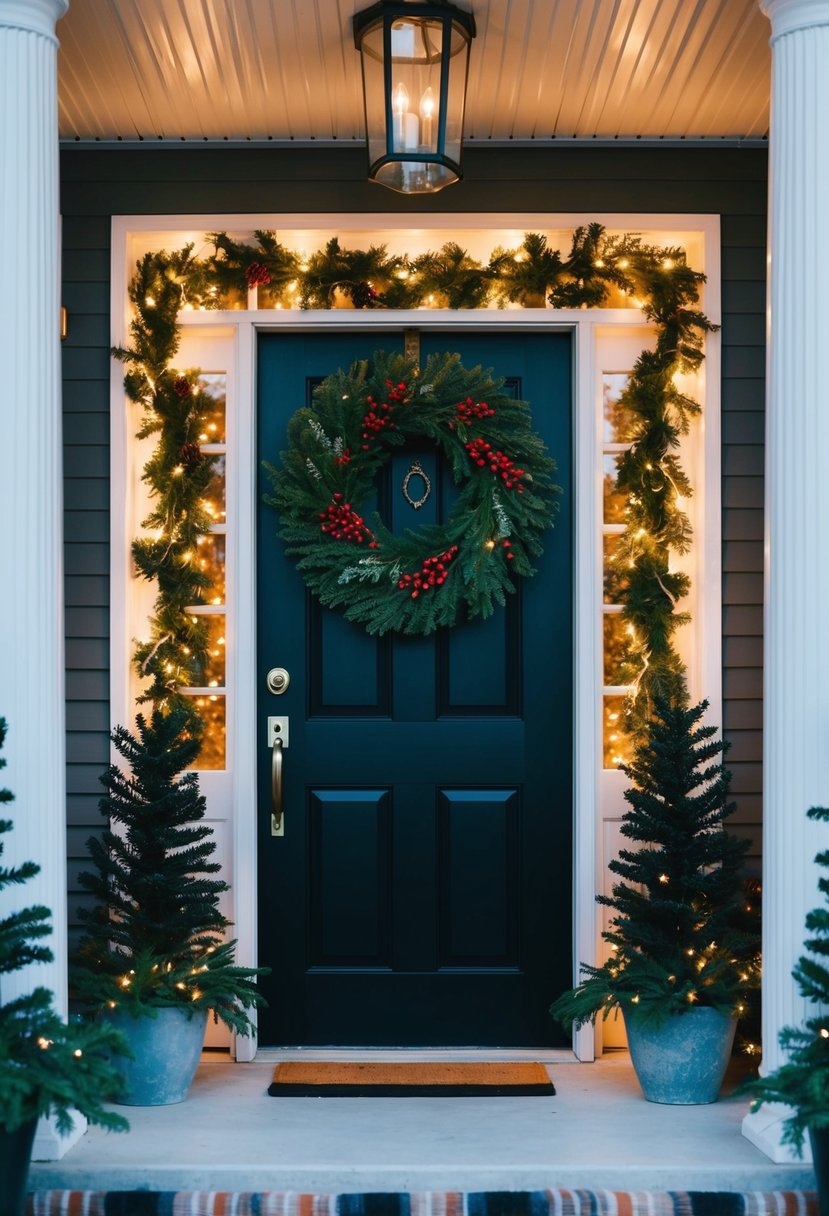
485,1203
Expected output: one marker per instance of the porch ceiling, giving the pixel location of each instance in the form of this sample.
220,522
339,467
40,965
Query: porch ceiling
287,70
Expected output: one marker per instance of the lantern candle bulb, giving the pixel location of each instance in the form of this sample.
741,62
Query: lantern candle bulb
406,125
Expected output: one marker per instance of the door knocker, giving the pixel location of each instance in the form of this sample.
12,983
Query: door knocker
416,471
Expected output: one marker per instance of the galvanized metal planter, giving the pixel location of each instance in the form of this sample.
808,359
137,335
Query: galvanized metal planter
166,1052
681,1061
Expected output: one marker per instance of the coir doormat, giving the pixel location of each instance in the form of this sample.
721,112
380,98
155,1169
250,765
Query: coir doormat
330,1079
560,1202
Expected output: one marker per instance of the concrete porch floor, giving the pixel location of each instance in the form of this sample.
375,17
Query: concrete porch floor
597,1132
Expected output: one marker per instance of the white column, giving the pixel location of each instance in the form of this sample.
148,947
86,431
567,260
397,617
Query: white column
796,691
31,561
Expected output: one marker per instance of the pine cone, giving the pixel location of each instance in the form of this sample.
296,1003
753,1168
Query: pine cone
190,455
183,387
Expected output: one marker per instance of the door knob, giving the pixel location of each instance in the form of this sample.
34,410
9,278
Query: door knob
278,680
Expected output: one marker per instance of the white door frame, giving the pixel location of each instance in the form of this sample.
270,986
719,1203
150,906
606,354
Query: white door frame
596,793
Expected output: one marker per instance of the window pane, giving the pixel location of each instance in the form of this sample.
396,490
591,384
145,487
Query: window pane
213,710
619,665
214,495
617,749
213,385
614,502
212,673
212,550
615,570
617,420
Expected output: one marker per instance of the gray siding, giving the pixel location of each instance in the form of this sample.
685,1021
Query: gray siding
97,184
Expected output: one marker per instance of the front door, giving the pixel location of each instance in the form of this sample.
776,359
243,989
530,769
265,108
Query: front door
421,893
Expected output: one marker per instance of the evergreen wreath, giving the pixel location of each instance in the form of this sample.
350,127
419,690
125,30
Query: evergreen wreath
438,574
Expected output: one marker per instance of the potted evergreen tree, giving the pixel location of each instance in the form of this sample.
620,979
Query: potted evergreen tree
47,1066
155,958
802,1083
682,950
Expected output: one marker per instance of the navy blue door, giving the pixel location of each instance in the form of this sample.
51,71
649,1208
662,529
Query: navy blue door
421,894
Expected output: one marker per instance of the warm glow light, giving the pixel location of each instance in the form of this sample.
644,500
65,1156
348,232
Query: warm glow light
663,878
77,1053
400,99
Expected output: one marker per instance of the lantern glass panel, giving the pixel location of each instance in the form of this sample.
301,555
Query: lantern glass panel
427,53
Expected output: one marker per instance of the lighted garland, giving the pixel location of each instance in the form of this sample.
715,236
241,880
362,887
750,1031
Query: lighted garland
435,575
178,474
599,270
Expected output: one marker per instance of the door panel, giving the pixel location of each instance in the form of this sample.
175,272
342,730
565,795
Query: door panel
421,892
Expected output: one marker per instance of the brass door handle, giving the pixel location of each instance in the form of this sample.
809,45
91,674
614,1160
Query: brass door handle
277,815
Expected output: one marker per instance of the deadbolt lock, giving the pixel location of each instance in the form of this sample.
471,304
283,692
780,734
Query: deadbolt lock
278,680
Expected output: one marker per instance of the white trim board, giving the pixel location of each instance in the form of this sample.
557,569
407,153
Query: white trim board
596,792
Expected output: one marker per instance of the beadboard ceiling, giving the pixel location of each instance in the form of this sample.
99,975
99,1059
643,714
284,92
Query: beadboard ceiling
287,70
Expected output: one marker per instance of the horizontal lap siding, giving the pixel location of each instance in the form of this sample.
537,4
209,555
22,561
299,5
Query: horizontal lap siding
97,184
85,294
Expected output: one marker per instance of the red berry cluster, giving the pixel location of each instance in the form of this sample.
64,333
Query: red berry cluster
431,574
341,523
508,545
469,409
344,458
378,417
483,455
257,273
182,387
376,420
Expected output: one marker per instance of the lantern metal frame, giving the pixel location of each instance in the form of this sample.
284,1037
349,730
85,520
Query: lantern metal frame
387,12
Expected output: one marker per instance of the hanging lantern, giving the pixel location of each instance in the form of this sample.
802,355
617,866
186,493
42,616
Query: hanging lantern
415,60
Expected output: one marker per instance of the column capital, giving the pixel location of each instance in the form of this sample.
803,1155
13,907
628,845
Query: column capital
789,16
34,16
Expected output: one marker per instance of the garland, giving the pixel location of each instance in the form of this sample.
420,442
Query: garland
600,269
421,580
178,474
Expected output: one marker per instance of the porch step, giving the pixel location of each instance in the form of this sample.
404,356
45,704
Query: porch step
597,1132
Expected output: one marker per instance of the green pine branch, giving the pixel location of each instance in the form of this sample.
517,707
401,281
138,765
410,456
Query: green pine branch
802,1082
681,934
156,935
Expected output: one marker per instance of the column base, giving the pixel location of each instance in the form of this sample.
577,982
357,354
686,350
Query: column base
764,1128
50,1145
